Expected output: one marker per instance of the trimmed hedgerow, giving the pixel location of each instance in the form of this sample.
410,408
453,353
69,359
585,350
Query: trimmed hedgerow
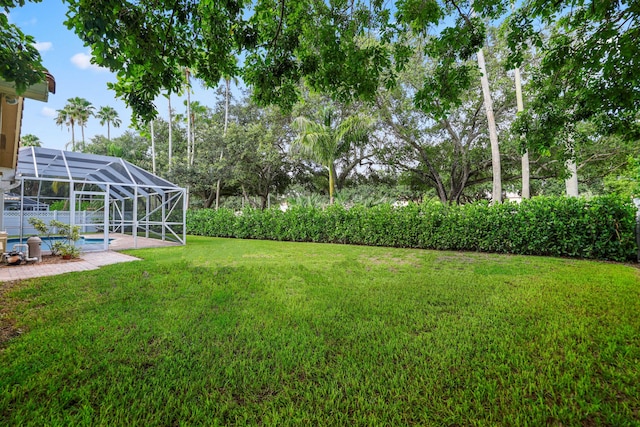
597,228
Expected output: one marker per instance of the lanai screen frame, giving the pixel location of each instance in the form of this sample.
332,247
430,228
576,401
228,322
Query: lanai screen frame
121,181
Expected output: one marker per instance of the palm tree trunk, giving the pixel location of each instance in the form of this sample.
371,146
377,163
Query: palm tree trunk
526,187
109,130
153,150
331,182
189,145
170,132
73,137
496,192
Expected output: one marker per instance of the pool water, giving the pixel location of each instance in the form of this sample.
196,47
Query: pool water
84,243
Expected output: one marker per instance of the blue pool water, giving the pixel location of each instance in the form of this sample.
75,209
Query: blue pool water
83,243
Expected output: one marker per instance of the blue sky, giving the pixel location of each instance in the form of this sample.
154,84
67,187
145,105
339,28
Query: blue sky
65,57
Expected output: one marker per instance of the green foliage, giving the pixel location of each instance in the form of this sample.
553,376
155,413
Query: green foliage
588,71
109,116
148,44
30,140
65,250
627,183
76,111
40,226
599,228
20,61
58,228
62,205
228,332
330,138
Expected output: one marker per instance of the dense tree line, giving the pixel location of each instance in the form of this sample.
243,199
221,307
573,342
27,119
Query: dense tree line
389,150
431,76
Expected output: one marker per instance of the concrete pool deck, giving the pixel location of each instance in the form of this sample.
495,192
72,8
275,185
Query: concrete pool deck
88,260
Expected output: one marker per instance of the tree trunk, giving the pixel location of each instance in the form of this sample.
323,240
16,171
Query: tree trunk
526,187
227,81
218,188
190,136
210,199
153,149
496,193
73,137
170,132
571,183
331,182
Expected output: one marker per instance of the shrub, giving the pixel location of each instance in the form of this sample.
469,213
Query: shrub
597,228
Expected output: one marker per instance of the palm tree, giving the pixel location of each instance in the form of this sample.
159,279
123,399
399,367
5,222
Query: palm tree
77,111
326,141
30,140
84,110
153,148
190,139
195,111
66,116
109,116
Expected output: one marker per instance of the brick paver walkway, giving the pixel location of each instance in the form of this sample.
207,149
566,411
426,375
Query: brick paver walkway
90,261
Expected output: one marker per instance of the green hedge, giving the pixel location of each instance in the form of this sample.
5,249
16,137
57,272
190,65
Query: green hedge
598,228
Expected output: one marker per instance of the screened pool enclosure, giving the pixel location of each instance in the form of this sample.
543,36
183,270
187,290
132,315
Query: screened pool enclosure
100,194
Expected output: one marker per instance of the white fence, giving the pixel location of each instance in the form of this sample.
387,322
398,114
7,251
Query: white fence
12,221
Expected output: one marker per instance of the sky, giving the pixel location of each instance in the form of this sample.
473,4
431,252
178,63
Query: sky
64,56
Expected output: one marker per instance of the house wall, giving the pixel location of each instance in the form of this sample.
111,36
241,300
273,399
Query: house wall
10,123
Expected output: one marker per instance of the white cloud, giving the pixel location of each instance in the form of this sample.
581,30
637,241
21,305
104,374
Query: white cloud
83,61
48,112
43,46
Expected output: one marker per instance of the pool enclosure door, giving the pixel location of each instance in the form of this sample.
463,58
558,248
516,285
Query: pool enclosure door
91,210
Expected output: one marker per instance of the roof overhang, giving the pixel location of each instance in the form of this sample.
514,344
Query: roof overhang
39,91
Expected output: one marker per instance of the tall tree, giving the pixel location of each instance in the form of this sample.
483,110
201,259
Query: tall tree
109,116
257,158
197,112
524,161
83,110
496,190
449,153
153,148
67,117
190,134
326,140
227,98
170,131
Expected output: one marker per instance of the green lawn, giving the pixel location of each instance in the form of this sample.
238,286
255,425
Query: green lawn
239,332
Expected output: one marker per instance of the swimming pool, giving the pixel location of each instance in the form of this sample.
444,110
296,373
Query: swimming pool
84,243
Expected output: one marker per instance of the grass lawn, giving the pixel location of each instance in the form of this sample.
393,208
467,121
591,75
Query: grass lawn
239,332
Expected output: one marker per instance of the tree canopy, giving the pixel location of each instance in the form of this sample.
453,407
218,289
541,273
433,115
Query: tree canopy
588,51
